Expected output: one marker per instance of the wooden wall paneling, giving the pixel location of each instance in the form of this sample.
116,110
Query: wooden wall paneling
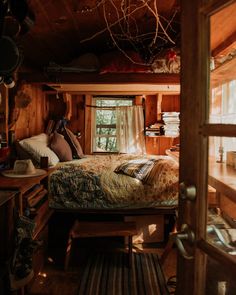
139,99
77,121
4,111
164,144
56,106
170,103
88,124
152,145
68,101
40,110
31,119
151,109
159,106
157,145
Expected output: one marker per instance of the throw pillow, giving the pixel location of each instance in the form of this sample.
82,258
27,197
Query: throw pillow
77,152
60,147
138,168
37,147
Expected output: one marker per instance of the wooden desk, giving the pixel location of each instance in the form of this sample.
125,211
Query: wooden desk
212,197
223,178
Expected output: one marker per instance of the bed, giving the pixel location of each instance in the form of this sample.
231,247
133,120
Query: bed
112,187
114,182
103,182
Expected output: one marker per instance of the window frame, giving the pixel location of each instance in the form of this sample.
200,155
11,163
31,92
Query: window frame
94,126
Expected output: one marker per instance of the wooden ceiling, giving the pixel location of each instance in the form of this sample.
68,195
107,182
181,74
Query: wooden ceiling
66,29
62,30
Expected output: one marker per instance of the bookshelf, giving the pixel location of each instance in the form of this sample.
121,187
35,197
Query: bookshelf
32,201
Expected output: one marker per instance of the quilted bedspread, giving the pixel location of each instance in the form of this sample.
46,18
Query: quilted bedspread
92,183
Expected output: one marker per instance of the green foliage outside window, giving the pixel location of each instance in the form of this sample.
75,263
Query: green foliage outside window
105,134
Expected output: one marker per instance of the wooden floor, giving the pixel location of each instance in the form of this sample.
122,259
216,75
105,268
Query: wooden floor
53,280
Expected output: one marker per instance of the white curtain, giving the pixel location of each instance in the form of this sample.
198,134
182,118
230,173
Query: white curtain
130,129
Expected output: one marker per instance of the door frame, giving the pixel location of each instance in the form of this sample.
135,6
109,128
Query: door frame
194,132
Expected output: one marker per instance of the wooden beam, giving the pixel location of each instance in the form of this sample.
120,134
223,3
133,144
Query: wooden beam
228,130
91,78
227,46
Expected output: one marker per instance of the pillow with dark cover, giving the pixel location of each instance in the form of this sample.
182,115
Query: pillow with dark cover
77,152
60,147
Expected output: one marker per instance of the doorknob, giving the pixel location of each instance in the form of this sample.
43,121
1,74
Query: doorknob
187,191
186,234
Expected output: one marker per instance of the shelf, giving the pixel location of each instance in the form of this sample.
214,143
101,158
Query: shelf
161,136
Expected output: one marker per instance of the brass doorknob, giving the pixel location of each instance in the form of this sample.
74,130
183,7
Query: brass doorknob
187,192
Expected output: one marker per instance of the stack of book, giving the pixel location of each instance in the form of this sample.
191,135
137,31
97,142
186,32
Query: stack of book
35,198
153,130
171,121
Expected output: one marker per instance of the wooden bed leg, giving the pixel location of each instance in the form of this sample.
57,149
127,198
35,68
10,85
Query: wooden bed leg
130,246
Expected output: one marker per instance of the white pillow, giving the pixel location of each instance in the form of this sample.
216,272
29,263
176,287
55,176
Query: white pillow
42,137
37,146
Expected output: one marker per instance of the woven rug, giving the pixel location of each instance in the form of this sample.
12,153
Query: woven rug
108,274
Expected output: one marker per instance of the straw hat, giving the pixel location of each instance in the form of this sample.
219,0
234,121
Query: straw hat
23,168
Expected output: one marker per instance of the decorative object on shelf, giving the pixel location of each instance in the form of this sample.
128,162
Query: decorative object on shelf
221,154
169,63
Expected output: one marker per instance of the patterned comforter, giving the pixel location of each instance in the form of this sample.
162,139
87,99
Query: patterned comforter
92,183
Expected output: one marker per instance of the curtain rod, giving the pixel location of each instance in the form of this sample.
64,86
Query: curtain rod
107,107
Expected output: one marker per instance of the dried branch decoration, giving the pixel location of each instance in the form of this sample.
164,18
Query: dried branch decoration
125,21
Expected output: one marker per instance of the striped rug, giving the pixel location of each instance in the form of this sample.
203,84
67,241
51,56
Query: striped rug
108,274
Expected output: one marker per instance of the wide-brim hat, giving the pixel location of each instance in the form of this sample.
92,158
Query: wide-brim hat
23,168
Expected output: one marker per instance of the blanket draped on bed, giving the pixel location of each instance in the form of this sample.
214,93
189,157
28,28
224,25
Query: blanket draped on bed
92,183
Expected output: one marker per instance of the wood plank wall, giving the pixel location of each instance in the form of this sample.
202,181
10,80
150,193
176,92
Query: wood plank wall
169,103
31,120
80,120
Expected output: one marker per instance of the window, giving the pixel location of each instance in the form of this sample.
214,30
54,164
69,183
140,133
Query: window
104,127
223,110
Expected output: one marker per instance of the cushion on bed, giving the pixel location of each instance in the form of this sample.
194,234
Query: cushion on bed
60,147
77,152
137,168
37,147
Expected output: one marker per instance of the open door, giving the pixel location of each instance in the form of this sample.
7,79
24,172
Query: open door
206,261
